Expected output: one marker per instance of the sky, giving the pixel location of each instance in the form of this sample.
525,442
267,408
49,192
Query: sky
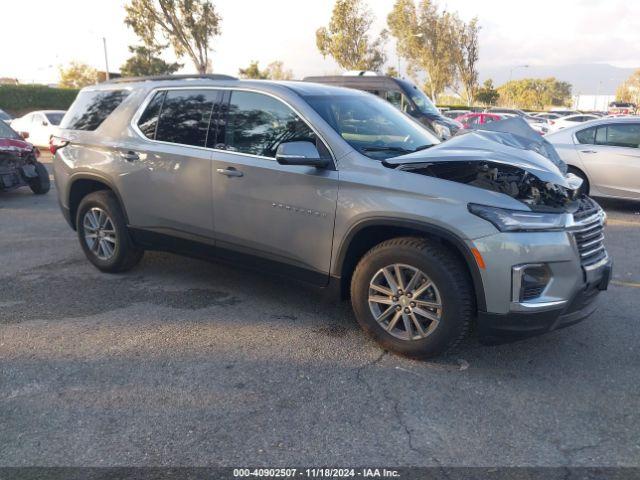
513,33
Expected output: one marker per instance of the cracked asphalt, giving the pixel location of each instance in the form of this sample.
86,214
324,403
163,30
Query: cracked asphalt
182,362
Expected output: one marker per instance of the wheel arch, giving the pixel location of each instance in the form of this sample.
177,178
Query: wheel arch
81,185
366,234
583,172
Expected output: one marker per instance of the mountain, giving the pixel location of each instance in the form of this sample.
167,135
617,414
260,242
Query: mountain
590,78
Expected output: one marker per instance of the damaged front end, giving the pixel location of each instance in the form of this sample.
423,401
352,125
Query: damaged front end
505,157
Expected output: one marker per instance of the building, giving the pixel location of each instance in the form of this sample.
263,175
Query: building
599,103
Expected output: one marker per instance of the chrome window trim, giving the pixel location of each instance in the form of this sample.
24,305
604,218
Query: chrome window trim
136,117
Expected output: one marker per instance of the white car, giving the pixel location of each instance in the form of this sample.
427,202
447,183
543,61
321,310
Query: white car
548,116
40,125
605,153
570,121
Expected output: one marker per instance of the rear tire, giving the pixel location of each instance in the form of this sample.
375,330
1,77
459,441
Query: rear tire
40,184
444,282
103,233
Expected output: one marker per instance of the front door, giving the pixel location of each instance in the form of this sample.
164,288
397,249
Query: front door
613,160
166,177
278,212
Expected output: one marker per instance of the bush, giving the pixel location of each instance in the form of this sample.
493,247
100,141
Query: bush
20,99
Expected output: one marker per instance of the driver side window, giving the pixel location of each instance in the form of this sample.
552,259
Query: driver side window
258,123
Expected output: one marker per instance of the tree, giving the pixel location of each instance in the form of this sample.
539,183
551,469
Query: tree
535,93
629,90
466,53
346,39
253,71
78,75
276,71
188,25
145,61
487,94
392,72
425,36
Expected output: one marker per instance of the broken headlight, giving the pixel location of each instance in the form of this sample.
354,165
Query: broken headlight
518,220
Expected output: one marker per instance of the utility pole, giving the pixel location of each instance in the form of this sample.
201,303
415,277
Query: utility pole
106,60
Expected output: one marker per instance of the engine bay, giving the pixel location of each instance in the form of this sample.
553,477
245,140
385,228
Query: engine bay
507,179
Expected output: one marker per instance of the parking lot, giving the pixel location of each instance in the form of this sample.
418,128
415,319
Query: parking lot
183,362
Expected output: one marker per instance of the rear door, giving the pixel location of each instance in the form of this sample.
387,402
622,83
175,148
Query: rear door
279,212
611,155
166,180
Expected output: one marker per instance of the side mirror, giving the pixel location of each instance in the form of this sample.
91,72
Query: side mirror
24,135
300,153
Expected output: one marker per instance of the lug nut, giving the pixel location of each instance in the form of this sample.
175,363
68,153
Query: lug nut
398,308
399,292
409,295
413,304
395,299
406,310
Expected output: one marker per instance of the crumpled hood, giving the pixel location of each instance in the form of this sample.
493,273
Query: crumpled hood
511,142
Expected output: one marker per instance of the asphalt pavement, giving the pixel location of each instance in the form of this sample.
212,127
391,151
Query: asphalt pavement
182,362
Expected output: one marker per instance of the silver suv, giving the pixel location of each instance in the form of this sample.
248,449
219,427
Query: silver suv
336,187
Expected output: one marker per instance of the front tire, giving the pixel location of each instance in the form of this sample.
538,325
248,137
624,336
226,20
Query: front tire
584,188
413,296
103,234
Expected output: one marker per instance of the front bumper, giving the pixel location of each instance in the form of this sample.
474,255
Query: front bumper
500,328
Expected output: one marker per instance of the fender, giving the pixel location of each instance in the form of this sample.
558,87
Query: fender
427,228
98,178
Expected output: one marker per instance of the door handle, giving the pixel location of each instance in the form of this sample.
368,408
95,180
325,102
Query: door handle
229,172
130,156
588,151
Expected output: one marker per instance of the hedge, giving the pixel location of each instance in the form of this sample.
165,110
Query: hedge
20,99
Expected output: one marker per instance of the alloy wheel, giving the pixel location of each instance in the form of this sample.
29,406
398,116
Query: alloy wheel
405,302
99,233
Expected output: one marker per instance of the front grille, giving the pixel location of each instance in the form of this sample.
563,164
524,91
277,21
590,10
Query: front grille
588,232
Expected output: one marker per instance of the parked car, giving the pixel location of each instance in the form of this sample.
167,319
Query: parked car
564,112
402,94
474,120
336,187
548,116
605,153
5,117
570,121
19,165
453,114
508,111
622,108
40,125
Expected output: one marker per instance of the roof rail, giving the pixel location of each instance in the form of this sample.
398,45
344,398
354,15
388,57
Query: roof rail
206,76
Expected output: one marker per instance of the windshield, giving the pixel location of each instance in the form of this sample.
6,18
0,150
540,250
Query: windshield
54,118
7,132
372,126
4,115
422,102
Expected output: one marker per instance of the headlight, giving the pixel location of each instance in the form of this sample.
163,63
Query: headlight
519,221
442,131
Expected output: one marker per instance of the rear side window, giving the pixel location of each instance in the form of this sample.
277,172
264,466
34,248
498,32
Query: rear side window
586,136
627,135
185,116
257,124
149,118
91,108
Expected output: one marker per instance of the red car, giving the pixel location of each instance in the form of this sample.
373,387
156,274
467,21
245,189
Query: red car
19,165
473,120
